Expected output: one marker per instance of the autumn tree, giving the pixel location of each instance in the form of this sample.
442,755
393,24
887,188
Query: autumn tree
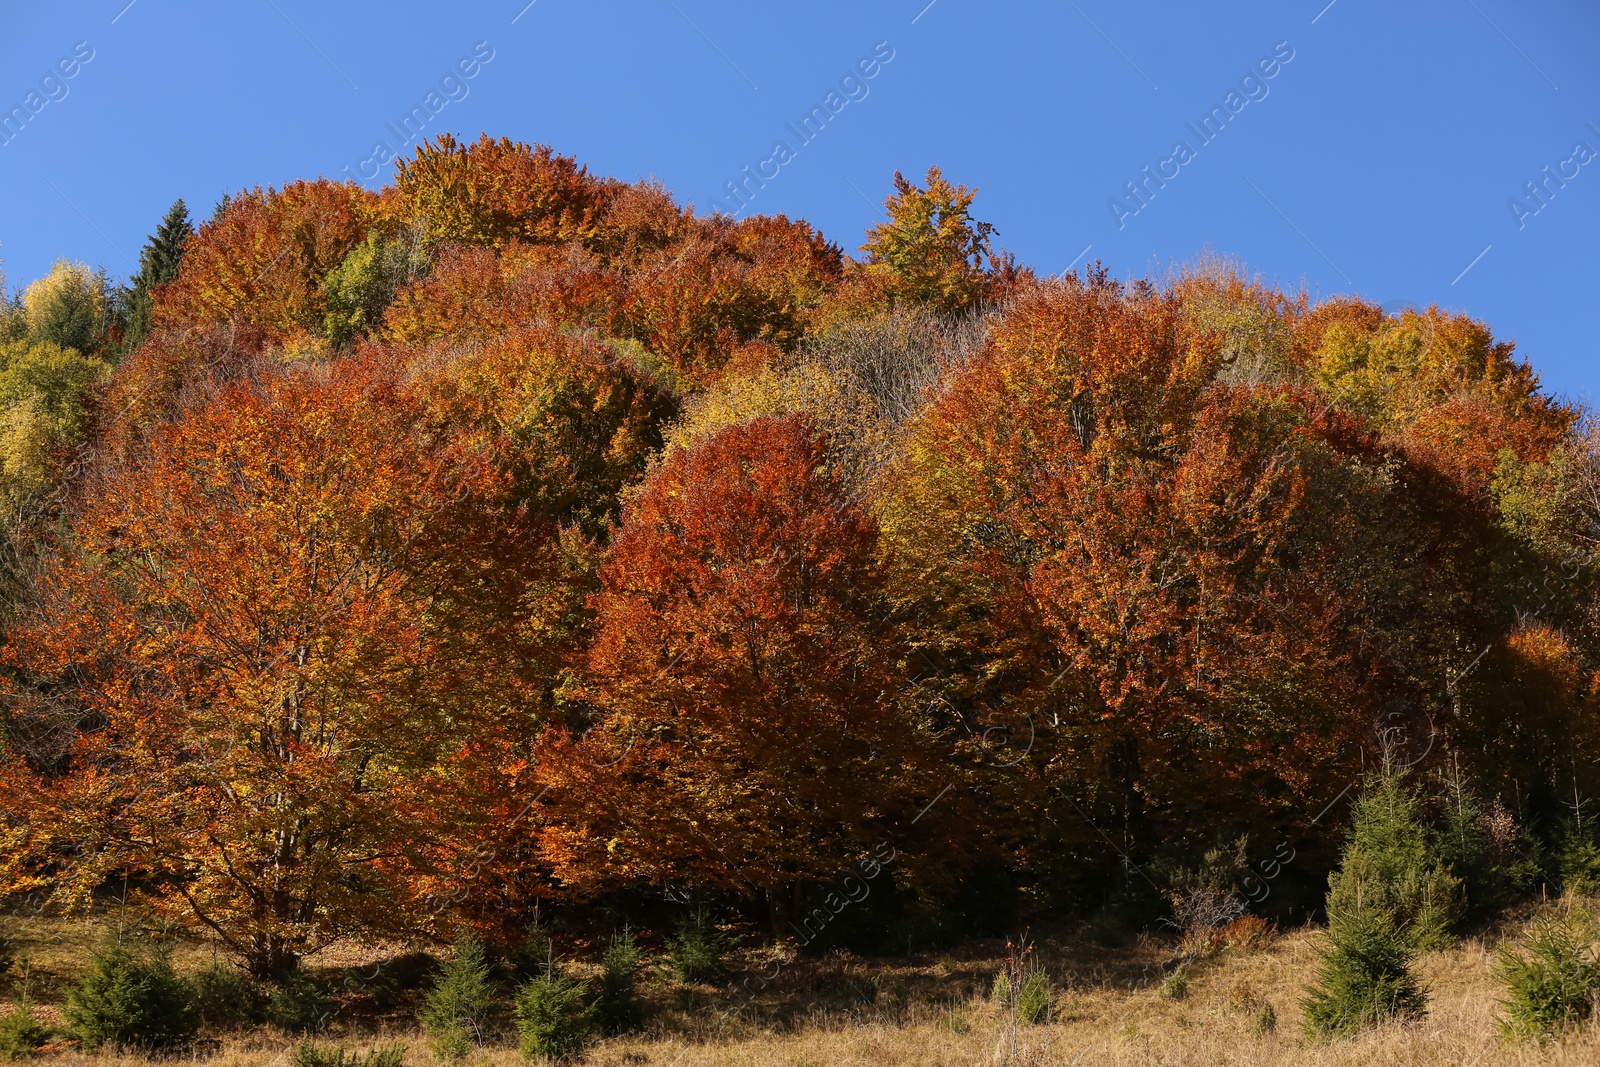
254,280
1206,588
68,307
747,731
572,426
1256,324
262,262
49,370
572,423
493,191
931,250
726,297
46,411
477,293
554,244
246,679
1467,413
1396,369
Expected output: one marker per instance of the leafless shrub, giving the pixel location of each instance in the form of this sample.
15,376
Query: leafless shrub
1587,464
1200,914
897,358
860,380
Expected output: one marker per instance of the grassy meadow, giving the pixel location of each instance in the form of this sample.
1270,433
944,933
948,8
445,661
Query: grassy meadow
1237,1002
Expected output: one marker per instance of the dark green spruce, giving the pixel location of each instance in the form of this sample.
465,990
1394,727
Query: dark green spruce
158,264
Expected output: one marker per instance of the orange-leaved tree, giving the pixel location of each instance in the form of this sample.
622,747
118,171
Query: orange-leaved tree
727,284
490,192
747,730
261,262
1224,578
572,422
248,677
475,292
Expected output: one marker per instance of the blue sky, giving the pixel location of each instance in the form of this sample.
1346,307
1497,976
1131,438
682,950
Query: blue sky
1381,158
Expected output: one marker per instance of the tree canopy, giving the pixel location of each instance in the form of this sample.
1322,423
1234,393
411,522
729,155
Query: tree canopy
383,562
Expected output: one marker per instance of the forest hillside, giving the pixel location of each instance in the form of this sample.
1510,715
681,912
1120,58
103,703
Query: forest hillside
515,557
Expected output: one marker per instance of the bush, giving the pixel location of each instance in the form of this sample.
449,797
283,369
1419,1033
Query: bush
698,950
224,998
299,1003
132,1000
1484,848
1176,985
552,1019
307,1054
21,1033
530,959
617,1006
1204,899
456,1012
1247,932
1033,1000
1554,987
1578,857
1366,976
1201,914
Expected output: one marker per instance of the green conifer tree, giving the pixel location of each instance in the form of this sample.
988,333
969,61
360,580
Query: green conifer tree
1367,977
456,1013
1393,861
1390,898
158,264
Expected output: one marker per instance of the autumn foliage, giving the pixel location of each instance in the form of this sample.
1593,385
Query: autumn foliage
518,535
242,679
745,675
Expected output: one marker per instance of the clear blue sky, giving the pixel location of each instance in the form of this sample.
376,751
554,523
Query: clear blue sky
1381,159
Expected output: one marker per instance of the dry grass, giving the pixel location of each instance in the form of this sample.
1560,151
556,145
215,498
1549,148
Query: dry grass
933,1011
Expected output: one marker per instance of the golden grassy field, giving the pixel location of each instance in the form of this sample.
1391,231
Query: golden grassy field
934,1011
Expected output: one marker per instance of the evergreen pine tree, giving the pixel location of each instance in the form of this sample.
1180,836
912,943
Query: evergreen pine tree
158,264
1389,898
1555,986
1366,976
1393,861
553,1020
617,1006
456,1013
132,1000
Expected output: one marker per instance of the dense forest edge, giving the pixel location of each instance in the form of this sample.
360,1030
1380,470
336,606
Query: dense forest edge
583,613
